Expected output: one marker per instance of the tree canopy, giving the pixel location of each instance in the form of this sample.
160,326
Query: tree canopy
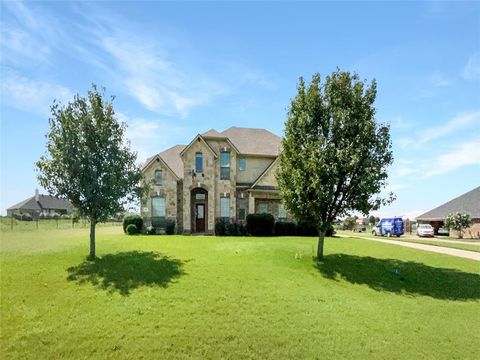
88,160
335,155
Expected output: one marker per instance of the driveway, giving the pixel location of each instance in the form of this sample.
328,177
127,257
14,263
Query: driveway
437,249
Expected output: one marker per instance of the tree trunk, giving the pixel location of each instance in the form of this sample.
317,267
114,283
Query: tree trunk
321,240
92,239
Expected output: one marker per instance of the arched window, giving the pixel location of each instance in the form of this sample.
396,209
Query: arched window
198,162
158,177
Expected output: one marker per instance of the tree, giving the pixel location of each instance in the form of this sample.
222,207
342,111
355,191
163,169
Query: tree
335,156
88,161
371,220
458,222
349,222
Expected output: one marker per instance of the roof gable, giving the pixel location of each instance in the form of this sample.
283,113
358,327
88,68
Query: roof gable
171,159
467,203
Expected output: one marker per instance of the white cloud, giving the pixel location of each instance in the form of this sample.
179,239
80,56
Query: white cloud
465,154
395,187
471,70
32,95
149,137
457,123
439,79
157,82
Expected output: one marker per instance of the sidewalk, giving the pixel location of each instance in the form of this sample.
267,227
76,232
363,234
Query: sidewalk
433,248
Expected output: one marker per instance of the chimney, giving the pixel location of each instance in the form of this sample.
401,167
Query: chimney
36,195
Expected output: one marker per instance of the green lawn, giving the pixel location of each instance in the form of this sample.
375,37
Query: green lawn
164,297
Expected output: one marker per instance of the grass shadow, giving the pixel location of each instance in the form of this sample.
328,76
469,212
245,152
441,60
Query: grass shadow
402,277
126,271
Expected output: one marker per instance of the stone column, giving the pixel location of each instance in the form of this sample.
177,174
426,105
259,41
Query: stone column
251,204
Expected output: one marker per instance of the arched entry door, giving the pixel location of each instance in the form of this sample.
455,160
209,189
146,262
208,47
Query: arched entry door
199,210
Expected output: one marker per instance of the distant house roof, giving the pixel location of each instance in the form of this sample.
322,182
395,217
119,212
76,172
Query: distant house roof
44,202
467,203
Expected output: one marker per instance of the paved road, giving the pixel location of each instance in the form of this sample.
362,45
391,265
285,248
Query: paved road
433,248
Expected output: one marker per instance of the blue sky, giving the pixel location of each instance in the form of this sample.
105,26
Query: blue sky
178,69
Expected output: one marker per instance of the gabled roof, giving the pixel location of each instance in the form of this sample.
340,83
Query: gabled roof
200,137
44,202
253,141
211,133
262,175
467,203
171,158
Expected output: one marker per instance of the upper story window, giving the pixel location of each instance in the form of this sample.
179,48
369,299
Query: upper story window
224,165
242,164
158,177
198,162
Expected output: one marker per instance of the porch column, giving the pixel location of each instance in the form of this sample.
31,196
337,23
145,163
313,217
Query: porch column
251,204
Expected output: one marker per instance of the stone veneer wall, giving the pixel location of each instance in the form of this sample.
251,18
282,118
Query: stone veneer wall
168,189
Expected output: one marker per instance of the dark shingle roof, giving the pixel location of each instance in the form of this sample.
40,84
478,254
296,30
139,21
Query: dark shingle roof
44,202
247,140
253,141
173,160
467,203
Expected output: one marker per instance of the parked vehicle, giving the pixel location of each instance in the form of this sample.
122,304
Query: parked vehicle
389,226
425,230
443,232
359,228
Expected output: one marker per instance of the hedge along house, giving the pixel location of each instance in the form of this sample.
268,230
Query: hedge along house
41,205
217,175
468,203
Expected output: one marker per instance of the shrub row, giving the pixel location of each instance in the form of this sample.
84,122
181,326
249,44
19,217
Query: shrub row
137,221
265,225
225,228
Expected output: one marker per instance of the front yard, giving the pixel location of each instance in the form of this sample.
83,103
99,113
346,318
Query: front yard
209,297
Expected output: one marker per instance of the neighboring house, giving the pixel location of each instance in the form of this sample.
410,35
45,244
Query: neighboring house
217,175
40,204
467,203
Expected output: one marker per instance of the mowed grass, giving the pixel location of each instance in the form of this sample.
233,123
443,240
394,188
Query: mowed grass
180,297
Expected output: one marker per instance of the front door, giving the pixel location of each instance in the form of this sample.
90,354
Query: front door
200,217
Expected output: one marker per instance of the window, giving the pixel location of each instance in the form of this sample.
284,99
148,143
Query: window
158,207
242,164
225,207
282,214
241,214
158,177
224,165
263,208
199,196
198,162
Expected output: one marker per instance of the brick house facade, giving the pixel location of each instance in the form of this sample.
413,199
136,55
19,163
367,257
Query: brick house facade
225,174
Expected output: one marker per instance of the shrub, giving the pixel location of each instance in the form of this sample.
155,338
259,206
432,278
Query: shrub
260,224
150,230
309,230
170,227
27,217
132,229
133,219
285,228
233,229
304,229
221,227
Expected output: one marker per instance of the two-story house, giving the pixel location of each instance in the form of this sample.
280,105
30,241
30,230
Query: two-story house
226,174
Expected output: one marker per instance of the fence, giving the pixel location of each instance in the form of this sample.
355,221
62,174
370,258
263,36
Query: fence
10,224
